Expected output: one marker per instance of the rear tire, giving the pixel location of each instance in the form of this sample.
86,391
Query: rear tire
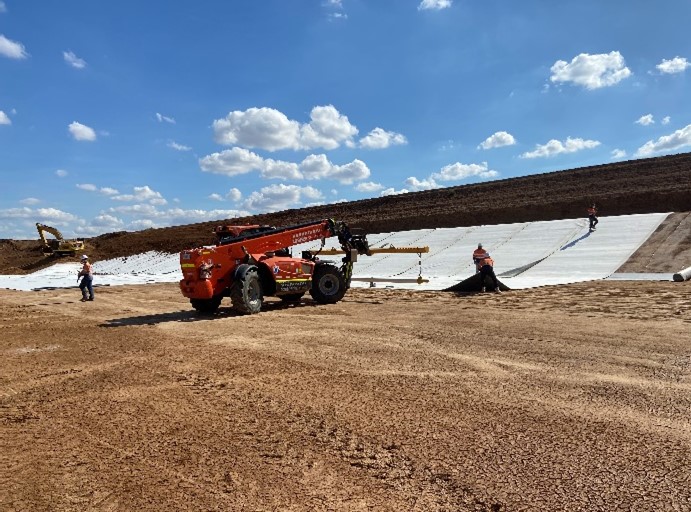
328,284
246,294
206,306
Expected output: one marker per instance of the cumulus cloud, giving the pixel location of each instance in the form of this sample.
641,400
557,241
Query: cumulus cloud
666,120
459,171
37,214
675,65
417,185
235,161
646,120
216,197
556,147
144,193
178,147
161,118
148,216
392,192
498,140
271,130
73,60
280,197
30,201
61,173
81,132
381,139
234,194
435,5
368,186
90,187
4,119
591,71
618,154
677,140
12,49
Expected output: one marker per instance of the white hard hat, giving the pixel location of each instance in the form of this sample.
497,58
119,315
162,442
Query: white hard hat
84,257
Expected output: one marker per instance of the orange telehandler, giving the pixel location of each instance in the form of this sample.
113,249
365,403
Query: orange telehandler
251,262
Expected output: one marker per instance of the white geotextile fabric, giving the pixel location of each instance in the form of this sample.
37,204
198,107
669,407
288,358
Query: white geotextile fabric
526,255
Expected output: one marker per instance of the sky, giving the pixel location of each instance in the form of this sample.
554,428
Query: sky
131,115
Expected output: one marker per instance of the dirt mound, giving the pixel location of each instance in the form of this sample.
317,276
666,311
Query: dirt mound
651,185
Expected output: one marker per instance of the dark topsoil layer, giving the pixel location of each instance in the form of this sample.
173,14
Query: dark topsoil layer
651,185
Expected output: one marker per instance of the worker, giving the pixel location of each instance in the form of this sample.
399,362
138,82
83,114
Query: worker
592,217
86,285
487,270
479,254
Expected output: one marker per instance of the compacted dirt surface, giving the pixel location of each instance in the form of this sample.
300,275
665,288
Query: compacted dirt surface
573,398
562,398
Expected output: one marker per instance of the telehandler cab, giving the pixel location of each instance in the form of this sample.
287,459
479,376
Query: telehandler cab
251,262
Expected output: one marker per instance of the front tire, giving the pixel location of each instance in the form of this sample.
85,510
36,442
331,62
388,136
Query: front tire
328,284
206,306
246,295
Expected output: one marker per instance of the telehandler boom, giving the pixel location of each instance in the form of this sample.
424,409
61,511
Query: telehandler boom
251,262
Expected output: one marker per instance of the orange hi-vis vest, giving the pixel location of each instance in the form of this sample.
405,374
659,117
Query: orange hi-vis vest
486,261
479,254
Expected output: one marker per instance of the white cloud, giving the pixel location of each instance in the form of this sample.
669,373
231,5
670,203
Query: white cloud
498,140
109,222
235,161
368,186
459,171
434,5
148,216
108,191
73,60
12,49
234,194
280,197
38,214
392,192
161,118
666,120
90,187
61,173
646,120
271,130
591,71
380,139
81,132
316,167
4,119
216,197
675,65
677,140
30,201
555,147
178,147
231,162
618,154
144,193
416,185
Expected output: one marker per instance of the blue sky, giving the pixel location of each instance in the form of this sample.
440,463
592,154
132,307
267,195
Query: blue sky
129,115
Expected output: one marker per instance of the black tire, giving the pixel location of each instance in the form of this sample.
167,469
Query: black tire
206,306
328,284
246,294
291,297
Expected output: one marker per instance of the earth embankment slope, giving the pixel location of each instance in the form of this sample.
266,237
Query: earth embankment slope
651,185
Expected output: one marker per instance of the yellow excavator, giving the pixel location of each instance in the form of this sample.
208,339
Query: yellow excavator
58,246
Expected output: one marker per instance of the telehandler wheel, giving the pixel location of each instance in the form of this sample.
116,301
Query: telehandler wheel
246,294
328,284
206,306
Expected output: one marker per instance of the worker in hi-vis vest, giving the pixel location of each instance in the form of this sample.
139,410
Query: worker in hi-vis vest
487,270
479,254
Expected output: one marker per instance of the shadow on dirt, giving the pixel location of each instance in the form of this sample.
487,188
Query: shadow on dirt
192,316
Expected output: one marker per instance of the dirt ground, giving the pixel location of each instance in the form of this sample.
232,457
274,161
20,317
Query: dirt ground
573,398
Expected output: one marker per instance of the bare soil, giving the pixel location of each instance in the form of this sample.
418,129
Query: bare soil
562,398
574,398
